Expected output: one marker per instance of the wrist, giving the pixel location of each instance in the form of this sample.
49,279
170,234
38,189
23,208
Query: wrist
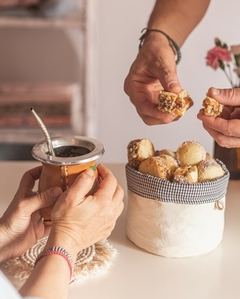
56,250
157,40
61,238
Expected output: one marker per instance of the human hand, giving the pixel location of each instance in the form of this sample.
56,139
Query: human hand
225,129
21,224
80,220
153,70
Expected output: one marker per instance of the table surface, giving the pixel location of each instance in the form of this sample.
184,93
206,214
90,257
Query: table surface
137,274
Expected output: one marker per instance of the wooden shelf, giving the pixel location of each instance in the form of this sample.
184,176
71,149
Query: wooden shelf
85,21
74,20
58,104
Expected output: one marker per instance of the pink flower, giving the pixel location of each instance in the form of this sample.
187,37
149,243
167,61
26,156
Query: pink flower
216,54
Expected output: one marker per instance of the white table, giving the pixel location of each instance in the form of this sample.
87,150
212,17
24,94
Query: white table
136,274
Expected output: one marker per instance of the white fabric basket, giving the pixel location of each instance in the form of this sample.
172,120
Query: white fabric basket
172,219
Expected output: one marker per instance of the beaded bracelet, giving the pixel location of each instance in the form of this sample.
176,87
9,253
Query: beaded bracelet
60,251
174,44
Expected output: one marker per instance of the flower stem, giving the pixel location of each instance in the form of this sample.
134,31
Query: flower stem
229,76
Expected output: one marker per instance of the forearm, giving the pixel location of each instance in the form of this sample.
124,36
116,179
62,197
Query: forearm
51,275
49,279
177,17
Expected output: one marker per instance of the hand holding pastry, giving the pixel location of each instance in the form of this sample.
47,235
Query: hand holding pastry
225,128
153,70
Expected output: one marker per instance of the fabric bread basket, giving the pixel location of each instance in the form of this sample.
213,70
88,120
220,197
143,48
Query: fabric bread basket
172,219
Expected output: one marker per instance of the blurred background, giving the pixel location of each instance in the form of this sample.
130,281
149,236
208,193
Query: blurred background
69,63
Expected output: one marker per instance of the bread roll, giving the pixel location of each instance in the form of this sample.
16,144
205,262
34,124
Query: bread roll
166,152
173,103
186,175
212,107
209,170
170,161
190,153
138,150
155,166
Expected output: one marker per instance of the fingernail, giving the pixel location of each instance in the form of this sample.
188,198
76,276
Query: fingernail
173,84
56,191
90,172
215,91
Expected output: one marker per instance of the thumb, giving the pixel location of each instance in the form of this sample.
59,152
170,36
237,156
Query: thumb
82,185
169,79
227,96
44,198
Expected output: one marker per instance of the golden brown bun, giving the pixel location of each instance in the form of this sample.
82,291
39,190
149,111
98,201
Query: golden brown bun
170,161
209,170
155,166
212,107
186,175
138,150
190,153
173,103
166,152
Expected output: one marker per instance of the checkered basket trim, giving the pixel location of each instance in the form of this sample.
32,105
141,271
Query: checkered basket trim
155,188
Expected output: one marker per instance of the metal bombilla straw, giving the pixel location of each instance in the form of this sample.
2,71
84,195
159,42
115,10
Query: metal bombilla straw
45,132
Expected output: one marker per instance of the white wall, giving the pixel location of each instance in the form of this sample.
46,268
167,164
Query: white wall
120,26
120,22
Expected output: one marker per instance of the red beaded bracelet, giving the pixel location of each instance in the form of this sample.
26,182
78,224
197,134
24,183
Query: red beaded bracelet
62,252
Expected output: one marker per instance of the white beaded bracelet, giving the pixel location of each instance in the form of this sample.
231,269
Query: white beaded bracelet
60,251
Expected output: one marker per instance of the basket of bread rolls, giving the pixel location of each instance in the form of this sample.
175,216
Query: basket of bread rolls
176,198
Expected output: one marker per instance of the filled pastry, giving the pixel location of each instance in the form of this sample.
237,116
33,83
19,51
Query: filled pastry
212,107
174,103
138,150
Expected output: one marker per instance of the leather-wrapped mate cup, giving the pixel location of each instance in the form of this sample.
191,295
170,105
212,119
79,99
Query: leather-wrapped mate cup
72,156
